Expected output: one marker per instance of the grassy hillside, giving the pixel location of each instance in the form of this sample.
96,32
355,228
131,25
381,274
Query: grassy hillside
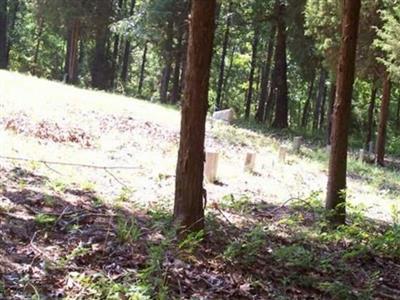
92,232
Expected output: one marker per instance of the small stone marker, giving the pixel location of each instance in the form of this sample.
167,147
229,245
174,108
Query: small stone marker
225,116
250,162
297,142
282,153
211,166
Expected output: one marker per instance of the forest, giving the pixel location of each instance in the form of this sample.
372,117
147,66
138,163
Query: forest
199,149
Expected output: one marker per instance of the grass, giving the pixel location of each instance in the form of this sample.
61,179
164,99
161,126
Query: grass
112,236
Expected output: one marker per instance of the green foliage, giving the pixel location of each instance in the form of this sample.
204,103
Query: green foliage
389,39
240,205
45,220
127,230
294,256
99,286
247,247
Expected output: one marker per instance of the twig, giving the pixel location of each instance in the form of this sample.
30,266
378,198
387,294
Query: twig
116,178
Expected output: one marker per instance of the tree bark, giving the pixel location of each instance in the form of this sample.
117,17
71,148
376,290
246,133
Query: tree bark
304,119
281,108
114,62
71,66
223,57
127,51
336,198
142,70
323,109
265,74
37,47
371,109
101,68
189,192
167,70
249,95
383,119
318,103
175,94
3,35
332,100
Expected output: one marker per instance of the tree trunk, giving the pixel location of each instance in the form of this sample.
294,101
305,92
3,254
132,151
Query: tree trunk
383,119
371,109
189,192
304,119
175,94
3,35
336,197
223,57
127,52
266,70
271,98
323,109
249,95
71,67
114,62
167,70
142,70
11,22
318,103
37,47
101,70
281,108
332,100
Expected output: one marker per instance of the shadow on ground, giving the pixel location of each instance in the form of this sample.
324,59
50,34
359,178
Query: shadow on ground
59,242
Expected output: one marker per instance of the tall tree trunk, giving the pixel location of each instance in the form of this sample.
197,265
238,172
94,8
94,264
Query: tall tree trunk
127,51
114,61
332,99
101,69
371,109
304,119
281,108
3,35
265,74
167,70
323,108
318,103
189,192
271,100
175,94
11,25
383,119
336,197
37,47
142,70
223,57
71,66
249,95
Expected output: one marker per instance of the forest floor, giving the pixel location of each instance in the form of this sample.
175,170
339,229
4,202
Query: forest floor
76,232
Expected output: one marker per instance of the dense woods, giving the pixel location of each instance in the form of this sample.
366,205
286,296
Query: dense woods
323,71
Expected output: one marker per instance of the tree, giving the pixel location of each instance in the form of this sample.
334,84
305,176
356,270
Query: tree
189,192
225,43
384,115
336,198
3,35
265,77
281,108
